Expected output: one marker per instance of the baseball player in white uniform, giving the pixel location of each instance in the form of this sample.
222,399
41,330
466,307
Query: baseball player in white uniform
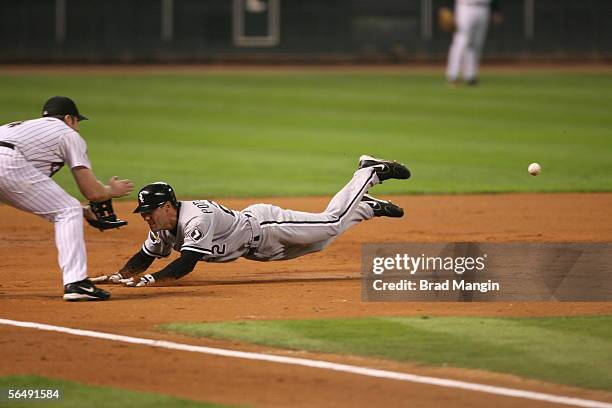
204,230
471,21
31,152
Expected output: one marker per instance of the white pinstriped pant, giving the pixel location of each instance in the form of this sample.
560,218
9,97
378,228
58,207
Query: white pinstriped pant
26,188
288,234
464,55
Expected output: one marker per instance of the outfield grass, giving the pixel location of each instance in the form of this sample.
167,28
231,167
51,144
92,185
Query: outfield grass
301,133
567,350
76,395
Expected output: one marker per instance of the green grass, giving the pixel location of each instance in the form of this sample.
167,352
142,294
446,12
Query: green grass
567,350
301,133
76,395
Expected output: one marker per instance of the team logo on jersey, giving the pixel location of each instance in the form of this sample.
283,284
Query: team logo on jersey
155,238
196,234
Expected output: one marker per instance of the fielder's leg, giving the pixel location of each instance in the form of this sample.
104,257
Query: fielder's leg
70,242
477,39
456,54
24,187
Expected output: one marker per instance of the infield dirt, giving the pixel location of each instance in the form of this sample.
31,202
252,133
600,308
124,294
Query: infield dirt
322,285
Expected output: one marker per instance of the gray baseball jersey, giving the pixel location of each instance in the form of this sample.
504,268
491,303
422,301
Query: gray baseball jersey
206,227
31,152
263,232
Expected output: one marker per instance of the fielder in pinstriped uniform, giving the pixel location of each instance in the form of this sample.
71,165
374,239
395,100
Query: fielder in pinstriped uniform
471,22
207,231
31,152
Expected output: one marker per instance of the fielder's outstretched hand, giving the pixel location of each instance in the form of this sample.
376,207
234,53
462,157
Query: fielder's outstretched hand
120,188
145,280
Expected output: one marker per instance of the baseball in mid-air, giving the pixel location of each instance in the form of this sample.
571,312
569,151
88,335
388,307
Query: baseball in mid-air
534,169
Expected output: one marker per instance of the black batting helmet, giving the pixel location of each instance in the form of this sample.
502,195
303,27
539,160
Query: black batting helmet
155,195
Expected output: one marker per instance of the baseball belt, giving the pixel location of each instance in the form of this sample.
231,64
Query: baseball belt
6,144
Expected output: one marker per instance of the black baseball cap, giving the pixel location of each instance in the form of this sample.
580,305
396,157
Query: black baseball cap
61,106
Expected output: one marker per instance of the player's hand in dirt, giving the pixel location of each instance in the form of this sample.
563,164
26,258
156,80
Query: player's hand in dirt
99,279
113,278
145,280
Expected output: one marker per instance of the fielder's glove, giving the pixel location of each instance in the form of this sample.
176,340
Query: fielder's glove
145,280
101,215
446,20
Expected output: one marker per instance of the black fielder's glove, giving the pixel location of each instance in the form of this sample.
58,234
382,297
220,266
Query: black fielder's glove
101,215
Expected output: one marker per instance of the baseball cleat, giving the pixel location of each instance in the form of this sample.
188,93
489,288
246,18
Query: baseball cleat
385,169
383,208
84,290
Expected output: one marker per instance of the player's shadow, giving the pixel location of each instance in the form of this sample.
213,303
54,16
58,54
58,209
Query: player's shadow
143,294
131,294
268,281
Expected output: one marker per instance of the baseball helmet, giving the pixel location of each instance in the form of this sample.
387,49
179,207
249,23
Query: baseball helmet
155,195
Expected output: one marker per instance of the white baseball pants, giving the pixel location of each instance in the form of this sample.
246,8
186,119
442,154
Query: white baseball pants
26,188
464,55
287,234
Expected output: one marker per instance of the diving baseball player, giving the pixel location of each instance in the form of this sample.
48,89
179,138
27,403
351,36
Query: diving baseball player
31,152
204,230
471,21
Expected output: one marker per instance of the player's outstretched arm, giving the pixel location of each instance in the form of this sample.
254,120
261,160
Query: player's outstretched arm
175,269
138,263
93,190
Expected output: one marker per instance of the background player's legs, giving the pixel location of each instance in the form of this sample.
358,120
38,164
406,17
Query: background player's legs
455,56
477,38
24,187
459,45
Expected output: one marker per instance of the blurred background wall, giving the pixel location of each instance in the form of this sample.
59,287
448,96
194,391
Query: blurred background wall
289,31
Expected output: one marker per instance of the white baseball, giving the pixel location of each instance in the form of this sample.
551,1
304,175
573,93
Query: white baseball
534,169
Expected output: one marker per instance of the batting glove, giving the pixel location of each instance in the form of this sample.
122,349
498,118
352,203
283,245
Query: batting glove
145,280
115,278
99,279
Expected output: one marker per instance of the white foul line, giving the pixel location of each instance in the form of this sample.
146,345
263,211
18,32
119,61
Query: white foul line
326,365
